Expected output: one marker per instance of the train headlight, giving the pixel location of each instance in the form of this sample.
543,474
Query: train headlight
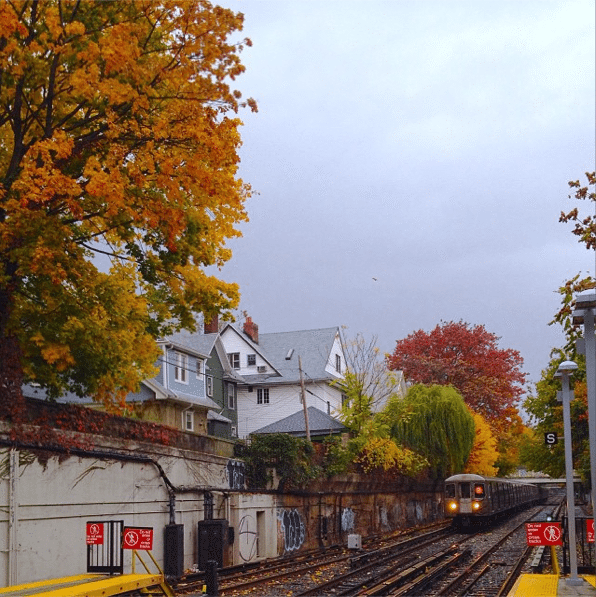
452,506
475,506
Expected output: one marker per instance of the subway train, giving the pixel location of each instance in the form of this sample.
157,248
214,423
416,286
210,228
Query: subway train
472,499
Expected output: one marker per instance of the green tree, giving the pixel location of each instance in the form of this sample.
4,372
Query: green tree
435,422
542,405
290,457
118,137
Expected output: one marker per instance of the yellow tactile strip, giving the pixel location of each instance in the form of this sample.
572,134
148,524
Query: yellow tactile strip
535,585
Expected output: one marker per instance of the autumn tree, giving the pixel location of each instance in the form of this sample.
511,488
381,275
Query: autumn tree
542,404
467,357
433,421
484,455
118,137
367,383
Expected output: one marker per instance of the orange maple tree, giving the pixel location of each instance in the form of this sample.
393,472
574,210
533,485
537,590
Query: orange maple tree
118,137
467,357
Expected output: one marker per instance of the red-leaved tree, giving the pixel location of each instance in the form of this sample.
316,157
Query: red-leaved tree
467,357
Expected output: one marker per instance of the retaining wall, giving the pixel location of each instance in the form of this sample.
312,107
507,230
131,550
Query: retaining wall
46,498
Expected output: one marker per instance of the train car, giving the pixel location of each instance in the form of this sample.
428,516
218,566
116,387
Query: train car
471,499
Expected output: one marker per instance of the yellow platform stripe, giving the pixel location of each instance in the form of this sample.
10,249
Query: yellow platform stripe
85,586
32,587
590,578
535,585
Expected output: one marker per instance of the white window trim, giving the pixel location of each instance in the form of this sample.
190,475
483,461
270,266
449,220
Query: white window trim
200,367
209,385
181,368
185,420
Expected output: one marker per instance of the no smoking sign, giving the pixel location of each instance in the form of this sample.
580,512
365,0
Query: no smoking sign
140,538
544,533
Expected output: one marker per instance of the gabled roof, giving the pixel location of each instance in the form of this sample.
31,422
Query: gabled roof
319,424
196,344
312,346
256,347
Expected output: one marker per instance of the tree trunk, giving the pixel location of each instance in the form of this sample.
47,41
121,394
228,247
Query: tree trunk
11,369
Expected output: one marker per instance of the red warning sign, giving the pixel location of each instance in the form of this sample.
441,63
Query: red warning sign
95,533
140,538
544,533
590,529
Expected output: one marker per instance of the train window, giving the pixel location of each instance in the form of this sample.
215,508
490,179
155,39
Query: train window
450,490
464,490
479,491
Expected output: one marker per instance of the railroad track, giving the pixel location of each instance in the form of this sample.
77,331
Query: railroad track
477,564
246,576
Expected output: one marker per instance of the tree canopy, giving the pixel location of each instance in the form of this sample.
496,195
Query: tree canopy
434,422
118,137
467,357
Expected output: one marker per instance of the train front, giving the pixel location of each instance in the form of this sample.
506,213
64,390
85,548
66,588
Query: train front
464,498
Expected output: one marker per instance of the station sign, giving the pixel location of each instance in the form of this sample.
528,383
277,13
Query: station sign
94,533
544,533
140,538
551,438
590,530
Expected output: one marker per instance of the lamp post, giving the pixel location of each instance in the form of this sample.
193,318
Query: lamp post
564,371
585,303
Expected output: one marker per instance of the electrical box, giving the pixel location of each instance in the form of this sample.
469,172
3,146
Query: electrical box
213,537
354,542
174,550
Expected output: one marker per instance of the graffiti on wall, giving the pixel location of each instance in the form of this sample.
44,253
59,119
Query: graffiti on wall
347,519
235,474
247,538
292,529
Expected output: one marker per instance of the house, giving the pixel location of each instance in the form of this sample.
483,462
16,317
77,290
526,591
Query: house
277,369
192,391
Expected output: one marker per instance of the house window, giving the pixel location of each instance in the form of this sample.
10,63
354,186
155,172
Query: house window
234,431
338,363
234,358
251,360
181,367
209,385
199,367
344,400
231,392
263,396
189,420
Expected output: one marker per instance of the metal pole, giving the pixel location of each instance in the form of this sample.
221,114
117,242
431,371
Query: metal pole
591,382
573,578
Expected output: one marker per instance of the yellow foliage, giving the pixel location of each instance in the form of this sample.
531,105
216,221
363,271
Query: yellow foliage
118,136
484,452
384,453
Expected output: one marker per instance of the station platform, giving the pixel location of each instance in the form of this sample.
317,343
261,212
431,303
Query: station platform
553,585
89,585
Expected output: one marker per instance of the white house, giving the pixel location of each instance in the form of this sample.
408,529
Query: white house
272,365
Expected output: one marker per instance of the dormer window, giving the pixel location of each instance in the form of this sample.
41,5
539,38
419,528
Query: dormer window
199,367
338,363
181,367
251,360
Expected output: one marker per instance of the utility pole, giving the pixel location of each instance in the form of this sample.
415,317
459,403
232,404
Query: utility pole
303,399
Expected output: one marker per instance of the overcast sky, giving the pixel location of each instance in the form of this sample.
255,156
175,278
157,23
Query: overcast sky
411,159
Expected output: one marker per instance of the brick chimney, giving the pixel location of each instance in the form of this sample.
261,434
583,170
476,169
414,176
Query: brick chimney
212,327
251,329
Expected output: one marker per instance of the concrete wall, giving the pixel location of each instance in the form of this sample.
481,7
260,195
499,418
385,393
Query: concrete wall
47,497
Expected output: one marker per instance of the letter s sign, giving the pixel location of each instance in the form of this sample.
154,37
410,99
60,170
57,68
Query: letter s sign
550,438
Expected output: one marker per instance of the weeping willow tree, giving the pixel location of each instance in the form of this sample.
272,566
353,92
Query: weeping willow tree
434,422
